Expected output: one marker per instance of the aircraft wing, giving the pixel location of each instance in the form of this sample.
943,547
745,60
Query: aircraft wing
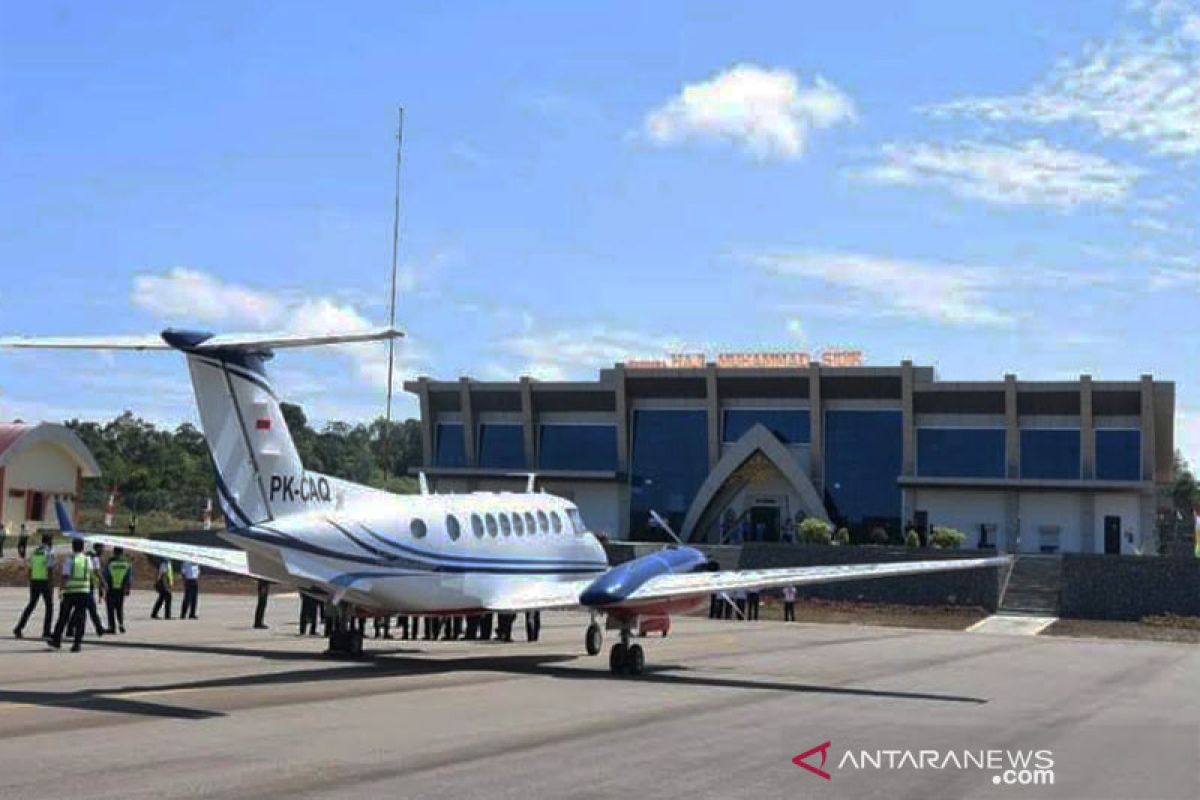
669,586
225,559
545,595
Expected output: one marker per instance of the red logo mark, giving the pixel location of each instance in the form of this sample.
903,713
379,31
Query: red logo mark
823,749
263,424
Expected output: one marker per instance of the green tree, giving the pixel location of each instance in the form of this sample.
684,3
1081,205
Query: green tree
814,530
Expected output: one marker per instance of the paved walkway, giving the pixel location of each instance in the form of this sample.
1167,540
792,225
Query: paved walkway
1012,624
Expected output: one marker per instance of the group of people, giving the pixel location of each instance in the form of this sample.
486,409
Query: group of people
83,577
86,579
745,605
22,539
470,627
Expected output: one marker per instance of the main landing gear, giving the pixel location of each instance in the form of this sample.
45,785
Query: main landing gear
345,633
626,658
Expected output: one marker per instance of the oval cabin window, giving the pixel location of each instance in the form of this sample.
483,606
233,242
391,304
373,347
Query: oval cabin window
492,528
505,525
530,523
477,526
518,525
556,522
453,529
417,528
543,523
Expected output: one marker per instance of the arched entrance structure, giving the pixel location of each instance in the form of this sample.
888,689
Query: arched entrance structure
756,474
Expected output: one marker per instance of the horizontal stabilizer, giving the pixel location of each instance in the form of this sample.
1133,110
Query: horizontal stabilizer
199,342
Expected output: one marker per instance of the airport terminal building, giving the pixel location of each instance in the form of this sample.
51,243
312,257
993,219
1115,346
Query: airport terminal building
745,446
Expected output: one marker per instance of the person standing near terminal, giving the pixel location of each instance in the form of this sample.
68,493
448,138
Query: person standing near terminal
789,604
752,603
308,615
533,625
41,565
23,540
118,574
260,608
163,584
76,585
191,589
3,537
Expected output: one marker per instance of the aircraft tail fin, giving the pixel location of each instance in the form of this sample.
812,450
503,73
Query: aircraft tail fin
258,471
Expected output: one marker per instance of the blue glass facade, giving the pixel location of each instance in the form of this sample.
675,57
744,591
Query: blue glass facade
1118,455
790,425
449,449
864,452
1048,453
501,446
670,461
578,447
960,452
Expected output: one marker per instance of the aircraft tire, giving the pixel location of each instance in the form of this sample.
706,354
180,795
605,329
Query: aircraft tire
635,660
593,640
617,658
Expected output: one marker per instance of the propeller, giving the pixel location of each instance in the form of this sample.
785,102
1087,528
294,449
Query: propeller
657,520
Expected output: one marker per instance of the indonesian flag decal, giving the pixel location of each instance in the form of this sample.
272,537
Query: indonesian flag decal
263,424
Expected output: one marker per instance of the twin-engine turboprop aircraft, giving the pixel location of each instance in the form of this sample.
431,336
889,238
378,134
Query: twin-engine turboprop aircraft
366,552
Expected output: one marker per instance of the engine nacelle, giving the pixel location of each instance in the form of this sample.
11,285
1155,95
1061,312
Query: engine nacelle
616,585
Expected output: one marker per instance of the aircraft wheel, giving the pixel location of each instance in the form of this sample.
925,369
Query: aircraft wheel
635,660
617,658
593,640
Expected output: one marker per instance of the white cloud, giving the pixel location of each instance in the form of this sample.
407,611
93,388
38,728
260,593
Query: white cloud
563,353
1140,87
765,111
1029,173
191,296
183,293
951,294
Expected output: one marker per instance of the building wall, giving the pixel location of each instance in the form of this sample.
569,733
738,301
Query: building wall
44,468
1063,509
1128,508
964,511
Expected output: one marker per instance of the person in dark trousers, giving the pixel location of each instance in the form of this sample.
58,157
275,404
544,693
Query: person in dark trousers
383,627
260,609
504,626
76,583
714,607
191,590
789,604
752,603
119,576
533,625
96,559
41,566
485,627
308,615
163,583
3,537
23,540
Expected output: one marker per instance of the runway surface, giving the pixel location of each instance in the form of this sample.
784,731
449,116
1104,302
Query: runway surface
212,708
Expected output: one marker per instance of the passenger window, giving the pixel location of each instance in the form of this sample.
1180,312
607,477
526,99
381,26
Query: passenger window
576,520
417,528
491,525
530,523
556,521
477,526
505,527
453,529
518,526
543,523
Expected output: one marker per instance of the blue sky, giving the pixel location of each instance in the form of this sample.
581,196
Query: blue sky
1009,187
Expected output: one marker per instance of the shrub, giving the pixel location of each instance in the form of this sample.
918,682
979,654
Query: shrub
815,531
842,536
947,537
879,536
912,538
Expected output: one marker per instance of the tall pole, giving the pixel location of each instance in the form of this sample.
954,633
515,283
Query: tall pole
387,424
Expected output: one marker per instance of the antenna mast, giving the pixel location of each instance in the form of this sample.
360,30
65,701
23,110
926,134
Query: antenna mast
387,425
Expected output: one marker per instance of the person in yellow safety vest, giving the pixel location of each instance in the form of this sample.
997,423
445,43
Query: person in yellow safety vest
41,564
76,585
119,574
164,583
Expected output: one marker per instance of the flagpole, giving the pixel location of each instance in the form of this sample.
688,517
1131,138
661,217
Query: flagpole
387,423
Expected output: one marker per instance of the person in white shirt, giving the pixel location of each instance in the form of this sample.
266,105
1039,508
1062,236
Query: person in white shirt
191,590
789,604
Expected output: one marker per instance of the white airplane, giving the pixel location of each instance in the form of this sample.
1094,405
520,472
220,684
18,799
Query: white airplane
368,552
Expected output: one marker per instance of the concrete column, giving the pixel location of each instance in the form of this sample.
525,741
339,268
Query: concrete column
426,422
816,412
1012,523
713,405
1012,429
468,418
1087,430
1145,536
622,414
1147,428
908,419
528,423
1087,523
